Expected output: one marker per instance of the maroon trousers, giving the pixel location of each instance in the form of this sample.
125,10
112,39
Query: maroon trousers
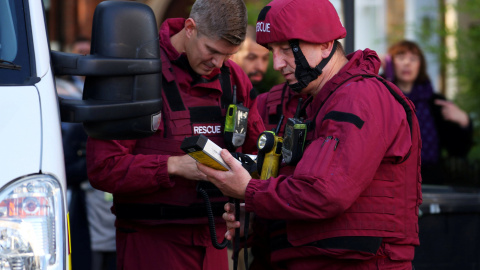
312,258
169,247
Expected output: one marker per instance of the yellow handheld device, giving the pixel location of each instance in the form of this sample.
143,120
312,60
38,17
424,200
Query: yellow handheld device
204,151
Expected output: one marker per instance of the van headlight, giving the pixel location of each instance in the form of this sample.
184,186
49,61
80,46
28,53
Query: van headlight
32,225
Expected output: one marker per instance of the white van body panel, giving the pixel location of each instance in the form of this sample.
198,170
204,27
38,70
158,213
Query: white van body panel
20,129
52,159
40,43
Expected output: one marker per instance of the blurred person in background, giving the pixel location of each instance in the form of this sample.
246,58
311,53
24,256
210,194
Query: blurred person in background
80,46
252,57
443,125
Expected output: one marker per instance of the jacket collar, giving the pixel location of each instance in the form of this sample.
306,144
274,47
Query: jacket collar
366,61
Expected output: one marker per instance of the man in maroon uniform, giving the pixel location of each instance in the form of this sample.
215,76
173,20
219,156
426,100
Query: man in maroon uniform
352,200
160,219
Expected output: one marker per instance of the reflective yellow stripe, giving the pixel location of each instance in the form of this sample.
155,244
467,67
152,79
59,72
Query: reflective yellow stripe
69,243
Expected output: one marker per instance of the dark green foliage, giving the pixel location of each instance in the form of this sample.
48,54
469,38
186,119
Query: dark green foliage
468,67
465,61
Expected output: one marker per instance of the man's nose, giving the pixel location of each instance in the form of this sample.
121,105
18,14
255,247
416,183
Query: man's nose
218,60
278,62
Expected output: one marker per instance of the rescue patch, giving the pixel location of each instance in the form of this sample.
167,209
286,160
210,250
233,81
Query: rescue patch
207,129
261,26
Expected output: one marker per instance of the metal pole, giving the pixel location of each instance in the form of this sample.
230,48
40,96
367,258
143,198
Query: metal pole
349,17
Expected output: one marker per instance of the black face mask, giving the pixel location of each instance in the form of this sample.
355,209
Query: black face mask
303,72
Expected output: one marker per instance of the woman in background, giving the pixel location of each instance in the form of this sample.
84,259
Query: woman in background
446,130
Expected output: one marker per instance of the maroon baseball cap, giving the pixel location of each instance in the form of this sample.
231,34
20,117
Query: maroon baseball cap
314,21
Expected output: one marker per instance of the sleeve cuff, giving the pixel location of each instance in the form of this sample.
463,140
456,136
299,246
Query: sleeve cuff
162,176
253,186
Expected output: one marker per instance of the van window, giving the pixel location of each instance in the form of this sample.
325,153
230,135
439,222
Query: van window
14,53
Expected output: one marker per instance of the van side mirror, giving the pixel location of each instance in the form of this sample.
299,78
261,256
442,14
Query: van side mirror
122,94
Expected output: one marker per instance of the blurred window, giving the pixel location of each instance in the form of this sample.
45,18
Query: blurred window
14,50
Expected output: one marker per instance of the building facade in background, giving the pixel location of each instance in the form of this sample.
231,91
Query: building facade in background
377,23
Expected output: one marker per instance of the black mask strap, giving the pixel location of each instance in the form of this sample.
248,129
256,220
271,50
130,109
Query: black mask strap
303,72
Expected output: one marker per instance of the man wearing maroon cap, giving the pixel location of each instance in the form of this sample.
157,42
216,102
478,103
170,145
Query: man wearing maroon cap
351,201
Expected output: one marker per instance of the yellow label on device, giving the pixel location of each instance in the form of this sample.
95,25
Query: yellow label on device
207,160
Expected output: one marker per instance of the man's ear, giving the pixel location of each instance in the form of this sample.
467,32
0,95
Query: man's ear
190,27
327,48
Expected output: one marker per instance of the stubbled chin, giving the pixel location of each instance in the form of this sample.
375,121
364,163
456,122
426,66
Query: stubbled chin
256,79
291,81
204,71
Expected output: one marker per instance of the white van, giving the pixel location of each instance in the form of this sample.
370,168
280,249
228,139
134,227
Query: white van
122,100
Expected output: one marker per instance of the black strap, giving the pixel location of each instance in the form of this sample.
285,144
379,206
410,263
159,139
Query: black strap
253,93
226,86
403,102
302,60
408,110
245,230
141,211
173,95
303,72
400,100
280,111
236,242
274,118
277,229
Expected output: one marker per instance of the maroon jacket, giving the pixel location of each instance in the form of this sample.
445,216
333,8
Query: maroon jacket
135,171
281,99
360,172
